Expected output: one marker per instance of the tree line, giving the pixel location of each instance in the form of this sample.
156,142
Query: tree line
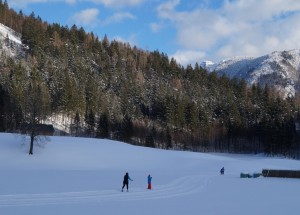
110,89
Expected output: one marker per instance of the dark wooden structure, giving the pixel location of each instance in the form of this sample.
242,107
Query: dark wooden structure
40,129
281,173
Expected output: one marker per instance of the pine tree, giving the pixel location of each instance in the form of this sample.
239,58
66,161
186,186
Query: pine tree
126,131
2,108
90,123
169,144
103,126
77,124
150,138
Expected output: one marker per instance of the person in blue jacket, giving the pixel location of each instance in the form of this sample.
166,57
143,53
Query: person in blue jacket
126,181
149,182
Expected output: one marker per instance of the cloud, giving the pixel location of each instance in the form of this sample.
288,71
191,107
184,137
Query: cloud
118,17
117,3
132,39
22,3
156,27
186,57
72,2
107,3
166,9
86,17
243,27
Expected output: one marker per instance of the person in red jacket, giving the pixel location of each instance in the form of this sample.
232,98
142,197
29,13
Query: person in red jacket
149,182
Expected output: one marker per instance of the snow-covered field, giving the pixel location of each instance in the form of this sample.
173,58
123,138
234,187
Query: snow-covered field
77,176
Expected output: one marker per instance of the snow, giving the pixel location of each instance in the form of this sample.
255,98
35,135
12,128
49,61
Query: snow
84,176
61,123
12,47
5,31
207,64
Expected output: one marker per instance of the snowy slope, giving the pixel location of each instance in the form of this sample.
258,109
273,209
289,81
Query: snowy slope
12,35
84,176
278,69
10,43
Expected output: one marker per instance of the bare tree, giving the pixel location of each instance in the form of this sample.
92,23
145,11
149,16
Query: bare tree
35,108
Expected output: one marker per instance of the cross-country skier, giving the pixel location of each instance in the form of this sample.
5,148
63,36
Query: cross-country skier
222,171
126,181
149,182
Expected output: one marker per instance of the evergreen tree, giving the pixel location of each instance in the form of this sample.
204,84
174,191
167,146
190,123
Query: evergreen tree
103,126
90,123
150,138
169,144
77,124
126,130
2,109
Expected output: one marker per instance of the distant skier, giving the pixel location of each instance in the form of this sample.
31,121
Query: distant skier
149,182
126,181
222,171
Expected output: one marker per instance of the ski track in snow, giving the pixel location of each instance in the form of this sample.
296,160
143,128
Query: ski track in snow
180,187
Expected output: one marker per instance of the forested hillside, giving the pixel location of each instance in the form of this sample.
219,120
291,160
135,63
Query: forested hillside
110,89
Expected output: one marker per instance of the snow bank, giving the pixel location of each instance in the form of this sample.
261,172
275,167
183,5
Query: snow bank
84,176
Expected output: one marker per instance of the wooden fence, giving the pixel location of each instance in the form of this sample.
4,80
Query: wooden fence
281,173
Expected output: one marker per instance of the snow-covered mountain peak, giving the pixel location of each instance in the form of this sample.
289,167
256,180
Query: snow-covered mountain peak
280,69
207,64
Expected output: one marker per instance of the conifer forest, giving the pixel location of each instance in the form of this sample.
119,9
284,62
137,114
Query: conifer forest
109,89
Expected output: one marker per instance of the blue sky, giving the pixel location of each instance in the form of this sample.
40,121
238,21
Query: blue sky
189,30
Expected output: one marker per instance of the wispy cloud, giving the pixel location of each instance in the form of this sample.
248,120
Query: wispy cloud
71,1
132,39
117,3
118,17
87,17
22,3
107,3
244,27
156,27
186,57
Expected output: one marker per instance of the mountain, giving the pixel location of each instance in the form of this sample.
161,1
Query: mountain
278,69
93,87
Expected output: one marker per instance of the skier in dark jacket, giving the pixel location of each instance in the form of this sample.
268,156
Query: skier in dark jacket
222,171
126,181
